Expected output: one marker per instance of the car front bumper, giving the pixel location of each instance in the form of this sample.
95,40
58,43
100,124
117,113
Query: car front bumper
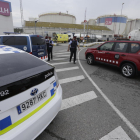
33,126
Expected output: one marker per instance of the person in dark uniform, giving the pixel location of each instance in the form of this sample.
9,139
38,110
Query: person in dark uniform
47,44
50,48
73,48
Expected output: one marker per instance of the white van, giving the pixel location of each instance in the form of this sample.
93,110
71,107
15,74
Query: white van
30,94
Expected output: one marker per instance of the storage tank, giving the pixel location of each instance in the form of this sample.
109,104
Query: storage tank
132,24
57,18
116,23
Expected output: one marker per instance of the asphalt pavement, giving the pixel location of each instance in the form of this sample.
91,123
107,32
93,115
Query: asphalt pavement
98,102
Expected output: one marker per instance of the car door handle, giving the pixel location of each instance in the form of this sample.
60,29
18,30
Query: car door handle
107,53
123,55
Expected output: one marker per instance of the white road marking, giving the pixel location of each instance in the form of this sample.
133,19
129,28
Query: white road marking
71,79
60,59
61,55
61,51
79,99
66,69
128,123
116,134
60,63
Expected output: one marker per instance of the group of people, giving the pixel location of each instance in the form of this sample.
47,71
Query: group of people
72,47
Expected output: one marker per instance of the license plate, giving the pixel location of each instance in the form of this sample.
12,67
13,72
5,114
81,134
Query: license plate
29,103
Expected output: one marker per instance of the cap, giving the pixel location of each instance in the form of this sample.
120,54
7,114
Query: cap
46,37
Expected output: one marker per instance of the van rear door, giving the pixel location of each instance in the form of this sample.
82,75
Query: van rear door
39,48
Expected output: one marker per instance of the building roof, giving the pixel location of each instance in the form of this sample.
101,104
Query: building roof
112,16
63,14
63,25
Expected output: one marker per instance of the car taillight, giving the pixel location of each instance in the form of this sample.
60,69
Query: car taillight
30,53
56,78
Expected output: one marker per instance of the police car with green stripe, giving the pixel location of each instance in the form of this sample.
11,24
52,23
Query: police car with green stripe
30,94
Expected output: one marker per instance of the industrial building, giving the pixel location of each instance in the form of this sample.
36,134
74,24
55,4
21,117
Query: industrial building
57,18
90,22
44,28
49,23
6,19
116,23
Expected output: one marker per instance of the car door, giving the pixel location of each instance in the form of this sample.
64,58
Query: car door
103,53
119,53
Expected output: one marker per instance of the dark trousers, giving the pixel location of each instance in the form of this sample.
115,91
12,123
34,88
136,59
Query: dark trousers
73,51
49,50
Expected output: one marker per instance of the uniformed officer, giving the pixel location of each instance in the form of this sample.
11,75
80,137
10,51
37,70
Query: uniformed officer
50,49
73,48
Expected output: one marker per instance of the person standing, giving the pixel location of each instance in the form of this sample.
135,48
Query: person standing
50,49
73,48
47,44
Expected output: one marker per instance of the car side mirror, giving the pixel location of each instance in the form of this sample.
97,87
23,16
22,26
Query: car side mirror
98,48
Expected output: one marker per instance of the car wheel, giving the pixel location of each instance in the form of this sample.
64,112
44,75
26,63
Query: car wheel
90,59
128,70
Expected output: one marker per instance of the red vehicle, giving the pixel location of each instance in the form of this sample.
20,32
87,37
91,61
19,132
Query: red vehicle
123,54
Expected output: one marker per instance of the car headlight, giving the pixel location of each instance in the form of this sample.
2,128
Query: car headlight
56,78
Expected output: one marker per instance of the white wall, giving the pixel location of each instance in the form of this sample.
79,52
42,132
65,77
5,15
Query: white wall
6,24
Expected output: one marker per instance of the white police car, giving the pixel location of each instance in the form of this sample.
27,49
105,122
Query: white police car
30,94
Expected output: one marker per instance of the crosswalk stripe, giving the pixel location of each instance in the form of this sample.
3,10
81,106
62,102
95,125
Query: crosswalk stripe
116,134
71,79
79,99
60,59
60,63
66,69
61,51
61,55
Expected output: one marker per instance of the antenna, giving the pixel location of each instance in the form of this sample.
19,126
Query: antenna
21,11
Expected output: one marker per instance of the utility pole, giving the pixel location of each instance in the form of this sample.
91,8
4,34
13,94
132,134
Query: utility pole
85,22
21,11
120,20
87,32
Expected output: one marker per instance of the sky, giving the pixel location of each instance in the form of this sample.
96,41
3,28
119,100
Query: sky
95,8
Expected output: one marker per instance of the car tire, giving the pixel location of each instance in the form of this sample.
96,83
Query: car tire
128,70
90,59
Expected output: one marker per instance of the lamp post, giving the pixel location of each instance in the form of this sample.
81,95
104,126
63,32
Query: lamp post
120,19
35,26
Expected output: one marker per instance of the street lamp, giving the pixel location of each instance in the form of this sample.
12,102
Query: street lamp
120,19
35,25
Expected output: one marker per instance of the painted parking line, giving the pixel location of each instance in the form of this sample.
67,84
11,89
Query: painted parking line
60,59
116,134
127,122
79,99
71,79
59,63
67,69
